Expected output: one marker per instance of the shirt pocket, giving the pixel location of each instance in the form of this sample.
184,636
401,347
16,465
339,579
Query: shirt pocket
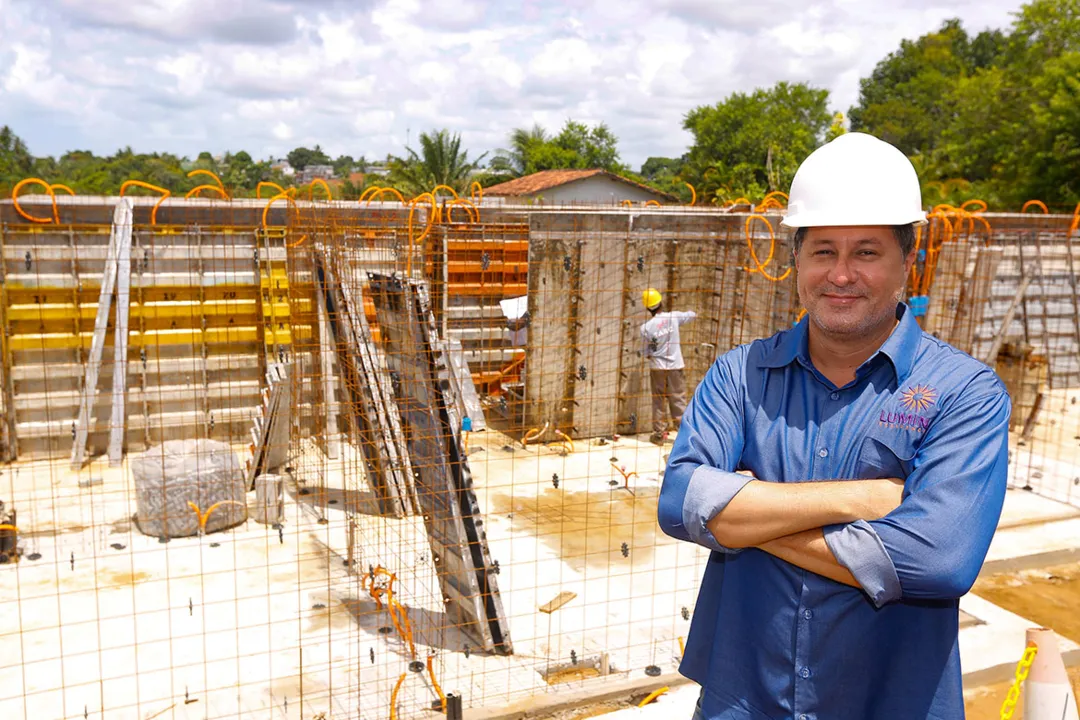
886,453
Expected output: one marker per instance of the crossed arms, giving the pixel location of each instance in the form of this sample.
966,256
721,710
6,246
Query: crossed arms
930,544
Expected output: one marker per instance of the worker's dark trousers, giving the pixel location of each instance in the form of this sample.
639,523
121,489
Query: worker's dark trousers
668,393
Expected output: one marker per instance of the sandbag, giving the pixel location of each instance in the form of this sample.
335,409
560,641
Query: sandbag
173,476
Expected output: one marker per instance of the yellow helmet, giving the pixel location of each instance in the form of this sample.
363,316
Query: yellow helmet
651,298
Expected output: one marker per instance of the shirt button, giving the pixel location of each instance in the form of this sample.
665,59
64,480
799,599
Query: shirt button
804,673
808,614
823,453
834,396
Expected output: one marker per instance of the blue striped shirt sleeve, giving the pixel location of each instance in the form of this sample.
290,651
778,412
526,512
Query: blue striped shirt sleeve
934,544
700,480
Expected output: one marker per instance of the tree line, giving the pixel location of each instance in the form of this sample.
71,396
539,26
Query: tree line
994,116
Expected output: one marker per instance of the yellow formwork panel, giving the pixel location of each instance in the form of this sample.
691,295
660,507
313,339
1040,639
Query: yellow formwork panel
88,311
179,336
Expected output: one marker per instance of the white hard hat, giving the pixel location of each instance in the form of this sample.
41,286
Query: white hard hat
855,180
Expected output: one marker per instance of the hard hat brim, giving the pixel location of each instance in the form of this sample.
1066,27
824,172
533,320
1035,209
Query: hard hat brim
854,219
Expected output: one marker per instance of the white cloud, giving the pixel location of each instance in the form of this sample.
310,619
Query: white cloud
359,76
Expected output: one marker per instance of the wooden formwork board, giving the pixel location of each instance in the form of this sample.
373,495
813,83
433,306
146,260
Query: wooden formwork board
948,280
695,289
598,324
547,367
648,263
467,575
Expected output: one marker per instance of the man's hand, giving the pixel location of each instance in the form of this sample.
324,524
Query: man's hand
764,511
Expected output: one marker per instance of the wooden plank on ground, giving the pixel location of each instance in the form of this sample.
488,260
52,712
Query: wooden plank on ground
561,599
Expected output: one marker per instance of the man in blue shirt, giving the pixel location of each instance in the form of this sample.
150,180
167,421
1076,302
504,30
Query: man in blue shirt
878,457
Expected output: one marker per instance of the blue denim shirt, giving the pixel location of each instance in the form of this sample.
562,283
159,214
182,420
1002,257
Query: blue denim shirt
770,640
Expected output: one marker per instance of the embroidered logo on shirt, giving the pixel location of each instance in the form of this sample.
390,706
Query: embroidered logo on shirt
916,400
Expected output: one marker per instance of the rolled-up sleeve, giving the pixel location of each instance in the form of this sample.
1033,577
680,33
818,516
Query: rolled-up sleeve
700,479
934,544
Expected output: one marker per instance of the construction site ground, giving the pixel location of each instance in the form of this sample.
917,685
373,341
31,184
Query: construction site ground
98,620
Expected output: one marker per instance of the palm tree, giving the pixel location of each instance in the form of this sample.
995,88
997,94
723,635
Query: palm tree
441,161
517,160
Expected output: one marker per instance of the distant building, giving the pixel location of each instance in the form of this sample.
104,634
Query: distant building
309,173
560,187
283,167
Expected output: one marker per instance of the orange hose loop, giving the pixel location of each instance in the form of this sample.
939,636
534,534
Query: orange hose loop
627,203
472,210
435,190
741,201
298,243
942,208
1035,203
775,194
279,196
434,682
652,696
61,186
974,201
48,190
198,189
216,179
393,696
427,228
379,193
364,195
772,248
476,191
693,193
649,203
266,183
324,185
165,194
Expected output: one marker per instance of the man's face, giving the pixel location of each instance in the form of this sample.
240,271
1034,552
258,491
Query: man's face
850,278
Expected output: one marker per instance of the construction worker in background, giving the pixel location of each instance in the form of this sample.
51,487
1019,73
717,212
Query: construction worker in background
847,473
666,375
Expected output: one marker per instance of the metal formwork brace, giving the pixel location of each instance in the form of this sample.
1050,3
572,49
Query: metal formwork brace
118,423
326,350
121,232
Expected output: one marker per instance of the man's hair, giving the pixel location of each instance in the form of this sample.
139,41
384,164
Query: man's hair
904,234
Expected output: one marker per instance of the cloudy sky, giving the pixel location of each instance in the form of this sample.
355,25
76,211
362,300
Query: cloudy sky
362,76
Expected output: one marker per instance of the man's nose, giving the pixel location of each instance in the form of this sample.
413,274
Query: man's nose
841,273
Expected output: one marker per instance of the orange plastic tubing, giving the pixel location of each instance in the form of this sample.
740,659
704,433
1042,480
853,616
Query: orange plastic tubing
471,210
364,195
693,193
266,183
48,189
775,194
437,188
198,189
427,228
974,201
1035,203
742,201
61,186
325,186
215,178
401,198
393,696
628,203
476,191
165,194
772,248
652,202
279,196
435,683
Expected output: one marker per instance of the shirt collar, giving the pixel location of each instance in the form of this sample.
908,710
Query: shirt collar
900,346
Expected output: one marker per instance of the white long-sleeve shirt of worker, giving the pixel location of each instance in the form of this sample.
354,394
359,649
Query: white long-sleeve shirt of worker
661,336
